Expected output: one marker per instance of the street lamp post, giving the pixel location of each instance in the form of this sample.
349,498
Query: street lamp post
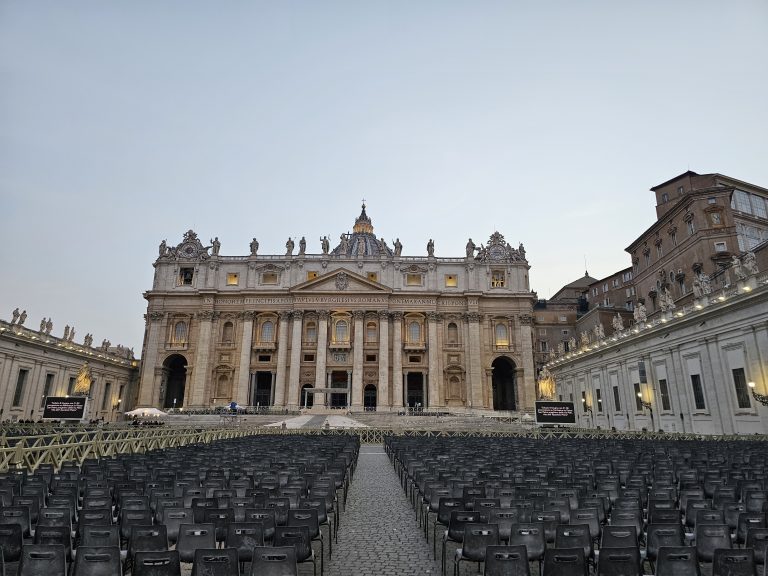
762,398
588,408
648,406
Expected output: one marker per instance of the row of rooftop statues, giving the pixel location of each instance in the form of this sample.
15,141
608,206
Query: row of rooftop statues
472,250
46,325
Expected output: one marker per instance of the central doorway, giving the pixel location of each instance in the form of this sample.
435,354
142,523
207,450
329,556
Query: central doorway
338,380
262,389
175,368
369,398
504,384
307,399
415,390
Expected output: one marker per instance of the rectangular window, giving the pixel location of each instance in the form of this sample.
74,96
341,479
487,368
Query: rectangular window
265,358
721,247
616,399
498,279
71,386
105,398
740,201
711,200
659,251
759,206
674,238
583,401
413,279
664,393
691,227
740,385
373,277
698,392
185,276
47,388
599,397
269,278
543,346
232,279
638,399
542,331
664,198
564,332
562,319
647,258
451,281
21,381
120,394
311,275
370,357
309,357
414,359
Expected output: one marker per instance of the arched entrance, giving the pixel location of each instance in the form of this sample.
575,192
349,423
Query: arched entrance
415,390
175,372
369,397
307,399
504,384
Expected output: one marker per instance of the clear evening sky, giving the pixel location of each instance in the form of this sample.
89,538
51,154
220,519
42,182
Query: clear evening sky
126,123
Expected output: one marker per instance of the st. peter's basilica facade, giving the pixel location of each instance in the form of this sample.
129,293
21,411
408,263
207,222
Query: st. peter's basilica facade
359,326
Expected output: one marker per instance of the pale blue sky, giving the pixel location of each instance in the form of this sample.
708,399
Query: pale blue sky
124,123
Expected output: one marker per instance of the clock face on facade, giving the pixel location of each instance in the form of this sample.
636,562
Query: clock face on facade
497,252
188,250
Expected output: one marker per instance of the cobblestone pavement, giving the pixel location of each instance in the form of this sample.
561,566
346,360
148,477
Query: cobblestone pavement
379,534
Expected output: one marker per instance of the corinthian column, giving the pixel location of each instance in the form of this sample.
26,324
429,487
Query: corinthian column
282,356
244,367
397,360
322,354
475,375
149,384
202,358
434,371
382,395
293,387
357,363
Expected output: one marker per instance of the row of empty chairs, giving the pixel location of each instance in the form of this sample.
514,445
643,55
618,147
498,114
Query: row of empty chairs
255,505
572,506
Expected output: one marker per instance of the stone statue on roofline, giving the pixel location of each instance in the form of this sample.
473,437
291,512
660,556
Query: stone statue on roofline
254,247
750,263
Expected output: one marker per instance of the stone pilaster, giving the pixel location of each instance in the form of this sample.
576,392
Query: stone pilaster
357,362
202,360
244,367
382,394
322,354
293,387
527,392
282,357
475,363
433,352
397,360
147,384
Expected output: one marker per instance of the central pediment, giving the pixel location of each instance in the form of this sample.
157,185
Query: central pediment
339,281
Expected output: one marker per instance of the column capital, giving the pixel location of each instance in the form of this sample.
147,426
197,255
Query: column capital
248,315
297,314
434,316
206,315
473,317
284,315
155,316
526,320
383,315
358,315
323,315
397,315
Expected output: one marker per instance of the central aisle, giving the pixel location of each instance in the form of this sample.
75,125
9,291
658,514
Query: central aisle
379,534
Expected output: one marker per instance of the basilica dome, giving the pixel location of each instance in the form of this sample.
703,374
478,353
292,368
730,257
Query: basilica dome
362,241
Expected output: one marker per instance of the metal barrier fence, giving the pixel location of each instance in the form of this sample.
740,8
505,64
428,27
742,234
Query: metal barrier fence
77,446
